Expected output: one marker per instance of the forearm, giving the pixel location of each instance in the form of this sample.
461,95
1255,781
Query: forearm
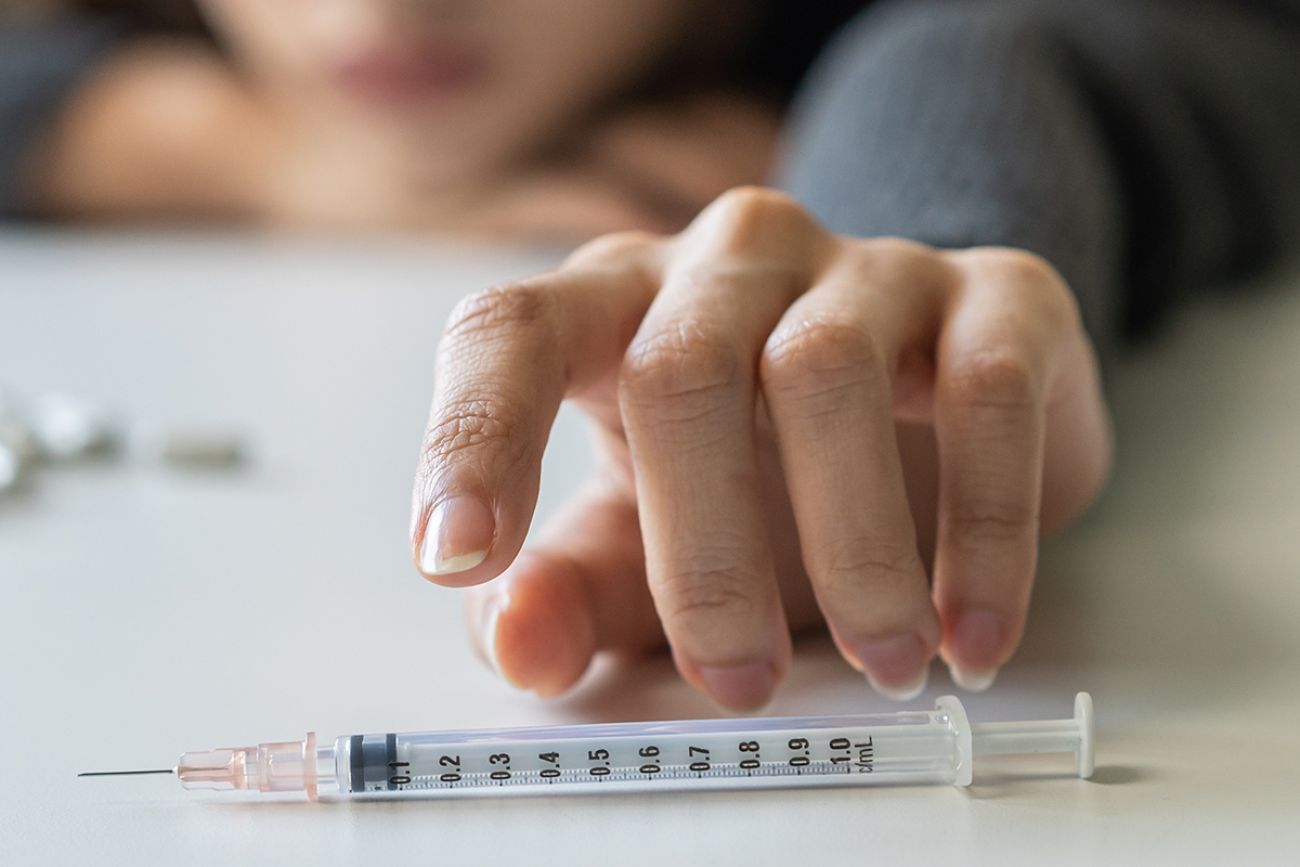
1141,148
159,130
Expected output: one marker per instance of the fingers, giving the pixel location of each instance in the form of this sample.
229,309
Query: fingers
580,589
996,359
684,333
827,372
687,398
507,358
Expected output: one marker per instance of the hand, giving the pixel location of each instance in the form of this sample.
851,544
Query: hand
788,422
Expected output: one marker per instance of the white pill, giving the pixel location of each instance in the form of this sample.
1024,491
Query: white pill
68,427
189,447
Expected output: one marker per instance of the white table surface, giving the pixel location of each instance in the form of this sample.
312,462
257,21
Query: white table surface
145,611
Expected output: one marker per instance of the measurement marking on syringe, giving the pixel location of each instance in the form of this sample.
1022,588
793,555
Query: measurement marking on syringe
648,765
579,776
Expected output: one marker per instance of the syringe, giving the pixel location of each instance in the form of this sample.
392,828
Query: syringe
911,747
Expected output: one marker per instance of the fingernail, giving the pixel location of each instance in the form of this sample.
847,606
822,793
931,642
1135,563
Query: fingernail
742,687
902,692
457,536
895,667
972,681
976,648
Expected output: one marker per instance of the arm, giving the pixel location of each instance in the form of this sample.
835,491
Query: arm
1124,144
162,128
1142,148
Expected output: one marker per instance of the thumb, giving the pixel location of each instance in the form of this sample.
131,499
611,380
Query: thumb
580,590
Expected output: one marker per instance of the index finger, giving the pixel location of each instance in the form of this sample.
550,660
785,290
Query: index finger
507,358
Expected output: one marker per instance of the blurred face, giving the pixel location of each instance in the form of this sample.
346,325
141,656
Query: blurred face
473,82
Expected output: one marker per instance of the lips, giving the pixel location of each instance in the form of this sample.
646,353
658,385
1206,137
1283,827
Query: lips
401,75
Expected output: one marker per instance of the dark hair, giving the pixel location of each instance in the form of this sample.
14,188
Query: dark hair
150,16
788,37
784,36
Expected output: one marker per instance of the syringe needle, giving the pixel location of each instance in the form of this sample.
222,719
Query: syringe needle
126,773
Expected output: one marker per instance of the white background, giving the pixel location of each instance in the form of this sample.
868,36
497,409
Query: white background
146,611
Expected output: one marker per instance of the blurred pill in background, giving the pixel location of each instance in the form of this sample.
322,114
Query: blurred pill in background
187,447
67,427
59,428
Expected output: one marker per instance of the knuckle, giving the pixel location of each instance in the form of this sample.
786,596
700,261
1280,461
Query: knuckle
899,264
614,249
859,564
1038,282
503,308
465,427
818,355
751,217
708,591
995,379
750,199
1048,287
737,277
686,363
902,250
1023,265
988,520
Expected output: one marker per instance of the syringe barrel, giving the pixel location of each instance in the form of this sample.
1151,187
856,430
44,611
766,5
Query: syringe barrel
909,747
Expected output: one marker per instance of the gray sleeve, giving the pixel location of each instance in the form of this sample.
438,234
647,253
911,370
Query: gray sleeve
40,64
1142,147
